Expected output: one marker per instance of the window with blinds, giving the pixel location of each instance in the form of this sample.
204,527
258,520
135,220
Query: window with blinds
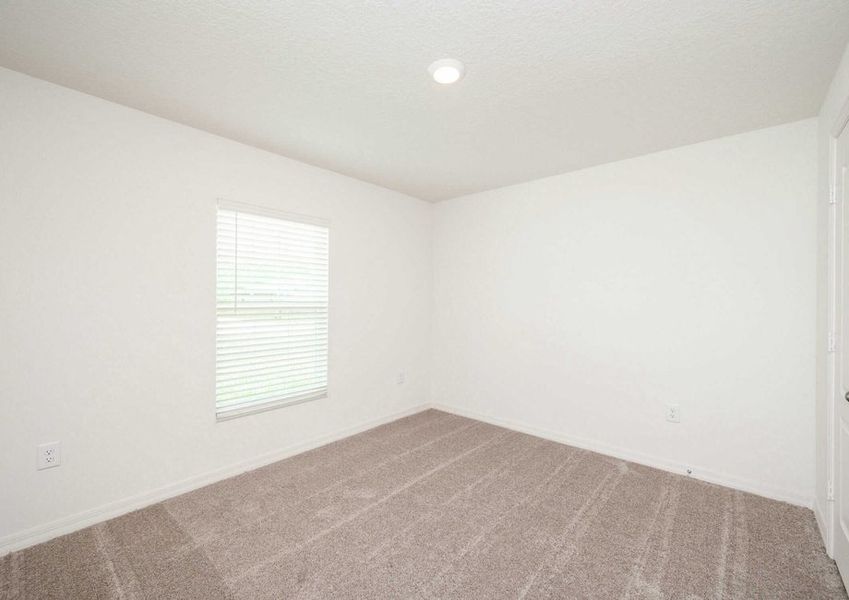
272,310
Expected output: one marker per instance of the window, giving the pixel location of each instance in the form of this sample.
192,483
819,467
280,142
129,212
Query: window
271,301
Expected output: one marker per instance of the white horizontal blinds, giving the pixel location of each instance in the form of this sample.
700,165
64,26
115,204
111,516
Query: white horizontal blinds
272,292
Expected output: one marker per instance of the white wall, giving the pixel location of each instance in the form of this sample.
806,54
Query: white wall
837,95
578,305
107,315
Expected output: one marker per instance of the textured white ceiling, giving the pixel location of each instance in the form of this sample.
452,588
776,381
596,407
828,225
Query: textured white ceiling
551,86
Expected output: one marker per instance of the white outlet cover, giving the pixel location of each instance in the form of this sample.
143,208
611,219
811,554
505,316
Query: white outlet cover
49,455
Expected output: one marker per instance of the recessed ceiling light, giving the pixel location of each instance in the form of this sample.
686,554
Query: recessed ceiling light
446,71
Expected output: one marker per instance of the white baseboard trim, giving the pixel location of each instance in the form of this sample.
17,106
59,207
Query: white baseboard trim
822,524
753,487
65,525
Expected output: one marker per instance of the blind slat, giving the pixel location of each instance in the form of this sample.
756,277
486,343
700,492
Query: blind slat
260,399
276,389
270,344
270,367
313,356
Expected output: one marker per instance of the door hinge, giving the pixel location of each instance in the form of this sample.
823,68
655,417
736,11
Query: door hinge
832,341
832,195
829,491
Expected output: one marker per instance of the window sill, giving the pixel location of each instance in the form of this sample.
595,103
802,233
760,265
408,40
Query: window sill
235,412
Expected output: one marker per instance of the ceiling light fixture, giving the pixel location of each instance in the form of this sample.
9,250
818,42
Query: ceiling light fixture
446,70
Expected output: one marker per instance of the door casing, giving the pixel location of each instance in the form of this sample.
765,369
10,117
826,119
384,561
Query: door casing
838,262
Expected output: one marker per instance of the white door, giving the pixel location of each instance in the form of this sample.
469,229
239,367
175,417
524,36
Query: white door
841,412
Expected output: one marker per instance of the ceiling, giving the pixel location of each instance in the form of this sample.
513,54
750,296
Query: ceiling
551,85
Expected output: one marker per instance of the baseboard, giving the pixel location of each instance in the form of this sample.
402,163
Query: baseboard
65,525
824,529
753,487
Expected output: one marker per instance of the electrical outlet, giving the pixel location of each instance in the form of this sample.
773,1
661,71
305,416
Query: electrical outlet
673,413
49,455
402,377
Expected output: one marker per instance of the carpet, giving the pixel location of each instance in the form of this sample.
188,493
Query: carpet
439,506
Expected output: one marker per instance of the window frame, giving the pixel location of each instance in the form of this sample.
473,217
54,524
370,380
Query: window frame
264,211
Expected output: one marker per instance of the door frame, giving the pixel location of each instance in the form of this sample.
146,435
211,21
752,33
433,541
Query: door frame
838,258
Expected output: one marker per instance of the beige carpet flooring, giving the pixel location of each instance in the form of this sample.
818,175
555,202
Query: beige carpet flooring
438,506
